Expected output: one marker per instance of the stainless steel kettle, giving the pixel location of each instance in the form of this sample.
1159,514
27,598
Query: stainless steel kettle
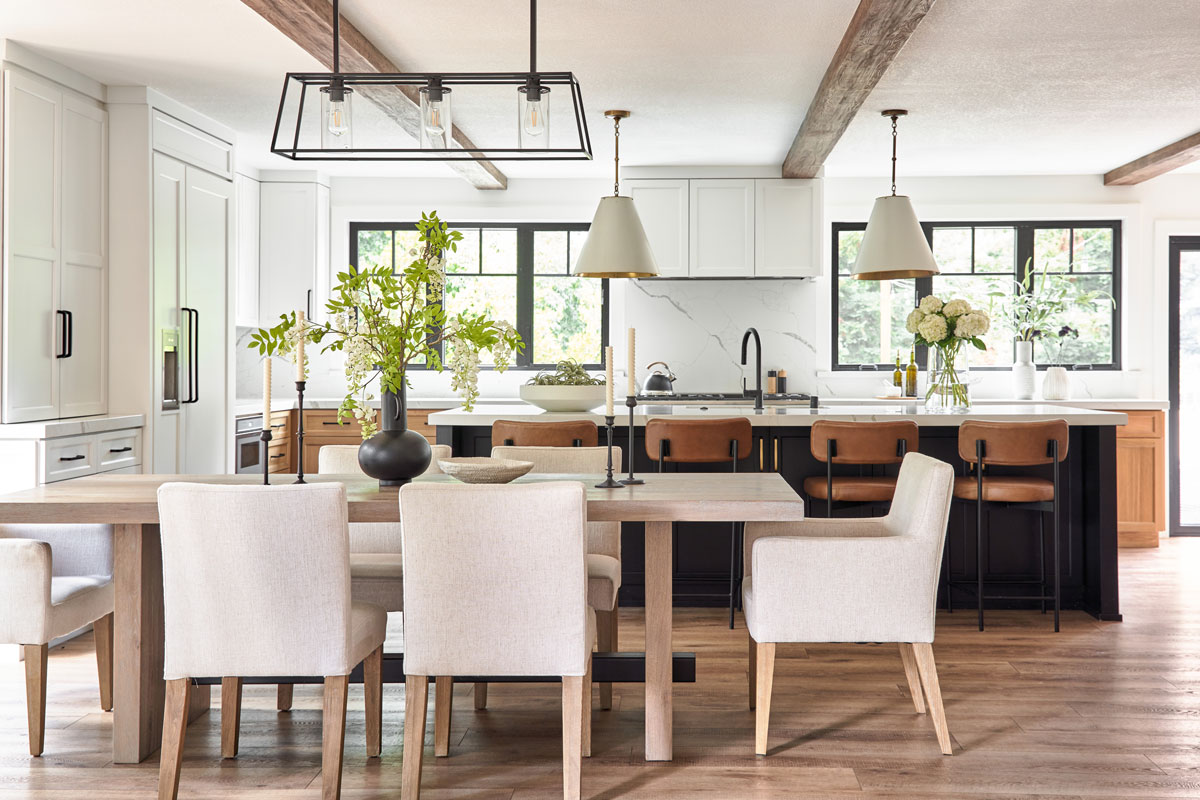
658,383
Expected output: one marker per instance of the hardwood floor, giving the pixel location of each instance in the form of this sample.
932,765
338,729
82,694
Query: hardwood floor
1100,710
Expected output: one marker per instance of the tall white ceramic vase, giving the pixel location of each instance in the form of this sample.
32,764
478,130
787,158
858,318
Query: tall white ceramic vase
1024,372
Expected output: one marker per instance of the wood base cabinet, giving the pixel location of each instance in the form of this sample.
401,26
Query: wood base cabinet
1141,479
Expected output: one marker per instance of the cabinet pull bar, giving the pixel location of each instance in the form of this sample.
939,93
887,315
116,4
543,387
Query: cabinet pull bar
72,458
119,449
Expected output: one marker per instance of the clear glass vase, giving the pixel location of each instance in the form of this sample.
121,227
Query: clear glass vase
949,378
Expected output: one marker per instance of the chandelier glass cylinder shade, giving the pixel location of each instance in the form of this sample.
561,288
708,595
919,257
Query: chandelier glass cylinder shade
894,244
408,116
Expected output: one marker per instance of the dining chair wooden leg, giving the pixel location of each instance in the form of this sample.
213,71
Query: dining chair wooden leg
480,696
913,676
373,699
586,721
103,629
933,694
606,631
175,716
443,706
283,697
752,669
765,675
333,735
416,699
572,722
231,715
35,695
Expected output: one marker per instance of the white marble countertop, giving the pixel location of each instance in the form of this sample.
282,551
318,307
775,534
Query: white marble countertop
54,428
1109,403
790,416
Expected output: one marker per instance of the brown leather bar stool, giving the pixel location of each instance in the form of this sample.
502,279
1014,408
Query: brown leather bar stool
577,433
1012,444
705,441
862,444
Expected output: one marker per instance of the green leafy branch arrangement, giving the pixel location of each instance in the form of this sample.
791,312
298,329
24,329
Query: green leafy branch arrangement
568,372
1037,307
385,321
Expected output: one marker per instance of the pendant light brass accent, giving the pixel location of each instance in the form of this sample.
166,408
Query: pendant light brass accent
616,246
894,244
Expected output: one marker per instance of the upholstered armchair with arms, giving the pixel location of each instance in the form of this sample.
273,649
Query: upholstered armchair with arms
853,580
55,579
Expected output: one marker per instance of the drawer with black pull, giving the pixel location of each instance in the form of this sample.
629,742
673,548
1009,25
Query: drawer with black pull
67,457
119,449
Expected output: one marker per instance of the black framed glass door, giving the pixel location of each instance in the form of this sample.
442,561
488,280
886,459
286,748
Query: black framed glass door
1185,385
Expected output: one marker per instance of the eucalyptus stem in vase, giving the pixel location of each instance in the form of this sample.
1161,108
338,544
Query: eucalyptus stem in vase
944,328
384,321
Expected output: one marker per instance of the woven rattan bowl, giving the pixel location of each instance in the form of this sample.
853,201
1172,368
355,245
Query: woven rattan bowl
484,470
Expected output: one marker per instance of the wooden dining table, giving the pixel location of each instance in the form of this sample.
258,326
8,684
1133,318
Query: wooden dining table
130,504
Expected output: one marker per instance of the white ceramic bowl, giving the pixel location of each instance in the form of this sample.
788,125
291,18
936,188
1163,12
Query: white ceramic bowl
564,398
484,470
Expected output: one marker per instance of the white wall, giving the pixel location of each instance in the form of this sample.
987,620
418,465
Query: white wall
696,326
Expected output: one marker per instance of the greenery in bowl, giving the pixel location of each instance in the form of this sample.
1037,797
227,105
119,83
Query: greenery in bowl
566,373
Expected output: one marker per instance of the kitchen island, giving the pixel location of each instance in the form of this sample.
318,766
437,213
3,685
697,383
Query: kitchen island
781,444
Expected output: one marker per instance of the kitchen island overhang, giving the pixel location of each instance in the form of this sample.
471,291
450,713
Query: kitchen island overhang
1088,546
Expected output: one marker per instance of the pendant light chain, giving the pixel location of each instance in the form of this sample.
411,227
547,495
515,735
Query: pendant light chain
894,118
616,156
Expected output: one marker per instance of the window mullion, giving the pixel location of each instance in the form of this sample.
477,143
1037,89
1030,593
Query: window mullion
525,294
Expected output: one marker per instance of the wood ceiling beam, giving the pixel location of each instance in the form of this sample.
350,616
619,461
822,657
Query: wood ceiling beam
876,33
309,23
1163,160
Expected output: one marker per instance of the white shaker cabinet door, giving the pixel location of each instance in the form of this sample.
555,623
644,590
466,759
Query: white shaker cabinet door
246,294
287,248
33,330
722,228
662,206
787,225
83,292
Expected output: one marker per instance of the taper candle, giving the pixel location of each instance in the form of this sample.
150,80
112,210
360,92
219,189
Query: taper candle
267,393
632,366
608,381
300,347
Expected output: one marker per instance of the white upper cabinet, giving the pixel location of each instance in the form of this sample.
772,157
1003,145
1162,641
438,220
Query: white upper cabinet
293,248
786,228
55,252
246,286
721,243
662,206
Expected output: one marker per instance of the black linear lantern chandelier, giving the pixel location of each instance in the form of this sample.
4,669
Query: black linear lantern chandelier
395,94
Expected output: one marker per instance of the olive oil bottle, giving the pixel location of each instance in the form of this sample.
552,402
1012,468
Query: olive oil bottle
910,375
898,375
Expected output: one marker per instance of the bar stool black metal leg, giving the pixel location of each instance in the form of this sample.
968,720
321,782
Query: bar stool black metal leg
1042,554
1057,572
949,587
979,528
733,563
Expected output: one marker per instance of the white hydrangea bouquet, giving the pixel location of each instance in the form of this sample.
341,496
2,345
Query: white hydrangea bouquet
384,321
944,328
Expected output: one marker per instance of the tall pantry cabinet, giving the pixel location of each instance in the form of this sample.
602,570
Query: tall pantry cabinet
55,259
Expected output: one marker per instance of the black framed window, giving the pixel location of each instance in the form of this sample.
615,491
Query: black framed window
978,259
520,272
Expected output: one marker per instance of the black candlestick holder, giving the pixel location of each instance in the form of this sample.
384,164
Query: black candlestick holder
631,402
265,440
300,432
608,482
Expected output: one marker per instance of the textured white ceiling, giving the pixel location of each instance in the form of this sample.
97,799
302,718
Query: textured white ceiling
994,86
998,87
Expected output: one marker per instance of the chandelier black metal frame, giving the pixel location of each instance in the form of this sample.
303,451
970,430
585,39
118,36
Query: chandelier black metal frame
310,86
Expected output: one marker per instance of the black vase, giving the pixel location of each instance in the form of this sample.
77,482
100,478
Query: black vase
395,455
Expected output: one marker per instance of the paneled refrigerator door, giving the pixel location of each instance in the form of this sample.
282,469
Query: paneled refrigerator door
34,333
83,295
169,361
208,253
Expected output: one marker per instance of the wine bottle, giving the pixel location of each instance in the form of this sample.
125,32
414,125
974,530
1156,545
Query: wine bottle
910,375
898,375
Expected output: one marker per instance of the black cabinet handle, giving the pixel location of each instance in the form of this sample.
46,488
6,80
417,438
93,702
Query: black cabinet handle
70,334
62,334
193,354
279,425
308,304
279,455
119,449
327,422
71,458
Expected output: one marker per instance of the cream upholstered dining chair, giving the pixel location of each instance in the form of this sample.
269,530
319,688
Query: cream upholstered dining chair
55,579
465,549
376,575
603,544
853,580
256,582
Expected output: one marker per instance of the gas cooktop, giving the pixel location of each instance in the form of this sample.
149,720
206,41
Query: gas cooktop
729,398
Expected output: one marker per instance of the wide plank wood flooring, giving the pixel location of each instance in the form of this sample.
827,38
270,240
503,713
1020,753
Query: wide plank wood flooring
1100,710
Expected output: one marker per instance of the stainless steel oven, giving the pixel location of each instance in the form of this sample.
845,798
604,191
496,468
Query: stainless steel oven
247,444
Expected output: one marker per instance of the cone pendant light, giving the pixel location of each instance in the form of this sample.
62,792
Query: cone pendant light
894,244
616,245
